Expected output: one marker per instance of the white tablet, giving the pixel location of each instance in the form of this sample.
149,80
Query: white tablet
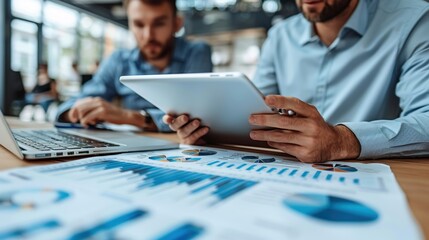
222,101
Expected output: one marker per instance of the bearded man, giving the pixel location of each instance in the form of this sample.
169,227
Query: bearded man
153,24
356,75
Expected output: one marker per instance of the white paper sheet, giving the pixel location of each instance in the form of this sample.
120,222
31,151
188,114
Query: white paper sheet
215,193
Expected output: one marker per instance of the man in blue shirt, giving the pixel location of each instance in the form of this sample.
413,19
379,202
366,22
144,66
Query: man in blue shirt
356,73
154,24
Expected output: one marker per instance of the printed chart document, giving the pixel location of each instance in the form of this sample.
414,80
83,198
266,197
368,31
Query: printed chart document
203,193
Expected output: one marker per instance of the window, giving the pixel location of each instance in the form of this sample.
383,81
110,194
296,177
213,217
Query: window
56,15
91,35
27,9
24,51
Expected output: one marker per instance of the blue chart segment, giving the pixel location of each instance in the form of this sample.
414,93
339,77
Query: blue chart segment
163,158
256,159
185,231
118,175
31,198
107,227
199,152
330,208
26,231
334,167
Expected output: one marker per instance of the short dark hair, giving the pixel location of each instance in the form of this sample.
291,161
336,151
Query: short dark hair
154,2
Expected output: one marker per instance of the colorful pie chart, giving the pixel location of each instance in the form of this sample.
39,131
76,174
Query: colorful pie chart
163,158
334,167
31,198
199,152
256,159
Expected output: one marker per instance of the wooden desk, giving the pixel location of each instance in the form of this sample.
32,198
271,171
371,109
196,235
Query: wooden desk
412,174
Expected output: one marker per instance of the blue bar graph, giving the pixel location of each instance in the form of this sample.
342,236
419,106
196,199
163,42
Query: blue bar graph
152,177
27,231
282,171
108,226
316,175
293,172
251,167
221,164
241,166
185,231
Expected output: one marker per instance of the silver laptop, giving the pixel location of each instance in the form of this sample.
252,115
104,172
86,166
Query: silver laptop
34,144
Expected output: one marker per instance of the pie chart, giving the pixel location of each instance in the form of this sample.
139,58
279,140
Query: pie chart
256,159
163,158
31,198
330,208
334,167
199,152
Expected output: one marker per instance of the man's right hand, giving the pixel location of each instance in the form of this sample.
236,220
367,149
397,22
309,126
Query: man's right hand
92,110
188,130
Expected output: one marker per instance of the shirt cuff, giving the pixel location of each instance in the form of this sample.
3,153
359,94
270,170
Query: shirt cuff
373,142
156,116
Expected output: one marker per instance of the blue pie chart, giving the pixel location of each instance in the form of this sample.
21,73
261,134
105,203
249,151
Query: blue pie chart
257,159
330,208
199,152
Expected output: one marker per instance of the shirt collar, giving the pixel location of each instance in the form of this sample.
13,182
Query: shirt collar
357,22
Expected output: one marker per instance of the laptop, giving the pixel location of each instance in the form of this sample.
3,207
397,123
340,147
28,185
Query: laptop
33,144
222,101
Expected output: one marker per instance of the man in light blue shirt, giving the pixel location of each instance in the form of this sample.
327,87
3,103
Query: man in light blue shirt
356,73
154,24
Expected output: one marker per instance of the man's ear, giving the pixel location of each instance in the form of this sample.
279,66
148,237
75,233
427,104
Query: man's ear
179,23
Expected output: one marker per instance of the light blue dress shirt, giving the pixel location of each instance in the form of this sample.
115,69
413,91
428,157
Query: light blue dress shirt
374,78
188,57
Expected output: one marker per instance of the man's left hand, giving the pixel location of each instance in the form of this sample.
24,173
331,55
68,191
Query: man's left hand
305,135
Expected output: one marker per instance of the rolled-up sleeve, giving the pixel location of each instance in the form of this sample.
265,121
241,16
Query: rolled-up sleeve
101,85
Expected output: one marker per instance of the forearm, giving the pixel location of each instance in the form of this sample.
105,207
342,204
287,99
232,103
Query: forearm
137,119
348,146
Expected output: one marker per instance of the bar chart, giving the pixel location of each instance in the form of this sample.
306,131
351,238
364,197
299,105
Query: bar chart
106,228
289,172
183,231
27,231
138,180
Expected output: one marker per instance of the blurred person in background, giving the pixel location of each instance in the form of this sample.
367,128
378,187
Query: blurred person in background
45,91
154,24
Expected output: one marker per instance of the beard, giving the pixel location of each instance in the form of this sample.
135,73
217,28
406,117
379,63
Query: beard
150,54
328,12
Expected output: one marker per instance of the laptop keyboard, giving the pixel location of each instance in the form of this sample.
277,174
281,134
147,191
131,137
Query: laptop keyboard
47,140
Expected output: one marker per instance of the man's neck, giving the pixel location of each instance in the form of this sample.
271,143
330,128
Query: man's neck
160,64
328,31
